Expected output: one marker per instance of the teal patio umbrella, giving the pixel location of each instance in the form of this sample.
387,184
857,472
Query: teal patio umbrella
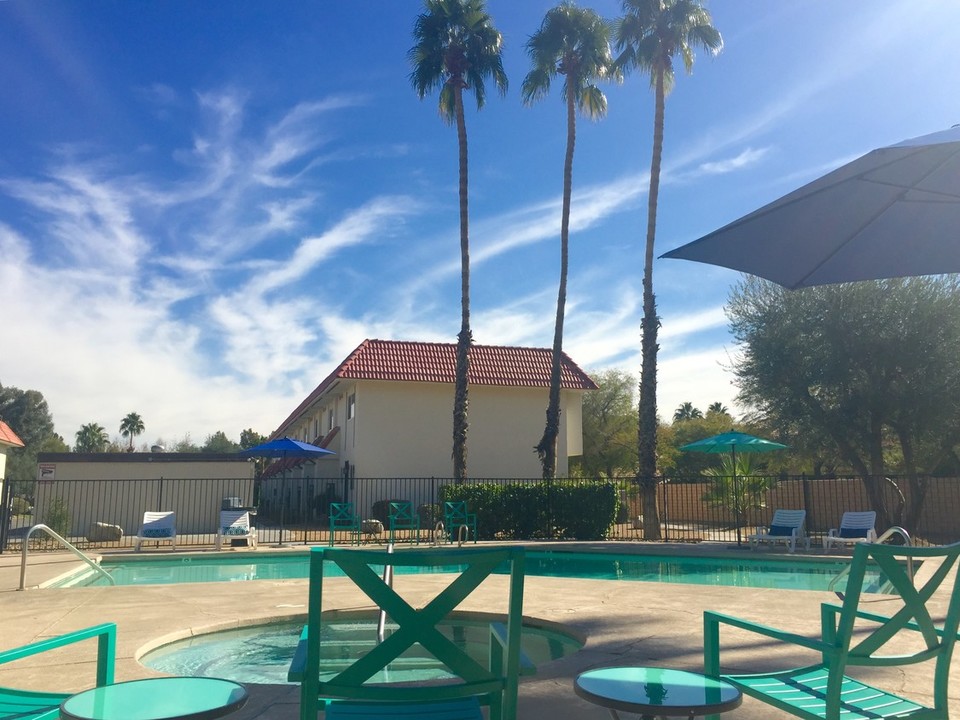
731,442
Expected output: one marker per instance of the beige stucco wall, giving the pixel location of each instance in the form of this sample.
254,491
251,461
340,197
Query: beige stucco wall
403,429
118,492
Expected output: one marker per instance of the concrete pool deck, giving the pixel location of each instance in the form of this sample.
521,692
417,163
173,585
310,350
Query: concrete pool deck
623,623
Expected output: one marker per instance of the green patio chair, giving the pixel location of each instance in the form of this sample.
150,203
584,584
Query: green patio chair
363,690
455,516
402,517
41,705
343,519
851,637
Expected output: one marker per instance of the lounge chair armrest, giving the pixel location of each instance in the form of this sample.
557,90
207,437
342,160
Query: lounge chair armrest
105,633
299,662
498,632
829,614
712,620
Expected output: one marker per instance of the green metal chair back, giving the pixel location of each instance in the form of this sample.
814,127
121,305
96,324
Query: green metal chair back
854,637
342,518
455,516
402,517
494,684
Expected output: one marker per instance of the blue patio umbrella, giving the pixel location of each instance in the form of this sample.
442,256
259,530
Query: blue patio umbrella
285,448
730,442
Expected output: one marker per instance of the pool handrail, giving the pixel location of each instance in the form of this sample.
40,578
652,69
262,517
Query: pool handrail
63,541
889,533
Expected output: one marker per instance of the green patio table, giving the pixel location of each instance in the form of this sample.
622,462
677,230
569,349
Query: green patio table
166,698
656,692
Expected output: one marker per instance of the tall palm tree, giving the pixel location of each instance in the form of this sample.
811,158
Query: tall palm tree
91,437
649,35
457,48
574,43
131,426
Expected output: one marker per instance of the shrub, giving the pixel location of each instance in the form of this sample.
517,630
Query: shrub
19,506
528,511
58,516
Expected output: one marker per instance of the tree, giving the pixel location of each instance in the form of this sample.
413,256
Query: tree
686,411
870,367
610,426
457,48
718,407
27,414
251,438
574,43
219,443
91,438
648,36
186,445
131,426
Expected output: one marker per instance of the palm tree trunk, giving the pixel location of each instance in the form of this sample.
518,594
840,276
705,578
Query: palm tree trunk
647,432
547,447
465,337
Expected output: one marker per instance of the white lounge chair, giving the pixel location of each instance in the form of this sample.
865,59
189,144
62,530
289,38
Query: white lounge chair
235,525
157,527
855,526
786,527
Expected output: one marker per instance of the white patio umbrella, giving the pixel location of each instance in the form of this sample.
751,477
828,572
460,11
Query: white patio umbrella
895,212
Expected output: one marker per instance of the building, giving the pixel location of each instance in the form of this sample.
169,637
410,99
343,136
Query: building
8,439
387,412
117,488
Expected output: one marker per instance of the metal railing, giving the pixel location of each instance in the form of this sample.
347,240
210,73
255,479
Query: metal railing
689,509
63,541
889,533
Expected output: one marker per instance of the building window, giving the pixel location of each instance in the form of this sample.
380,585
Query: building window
352,406
329,419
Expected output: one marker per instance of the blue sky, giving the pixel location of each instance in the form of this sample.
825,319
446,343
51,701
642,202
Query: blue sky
204,206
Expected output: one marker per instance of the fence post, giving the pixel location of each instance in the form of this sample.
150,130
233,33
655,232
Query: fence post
4,515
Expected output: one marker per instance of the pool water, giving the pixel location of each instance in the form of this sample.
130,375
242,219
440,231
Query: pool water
262,654
779,573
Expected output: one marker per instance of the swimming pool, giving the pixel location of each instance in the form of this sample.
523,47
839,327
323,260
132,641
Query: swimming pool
778,573
262,654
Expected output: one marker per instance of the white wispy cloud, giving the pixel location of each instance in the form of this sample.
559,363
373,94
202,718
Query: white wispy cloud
746,158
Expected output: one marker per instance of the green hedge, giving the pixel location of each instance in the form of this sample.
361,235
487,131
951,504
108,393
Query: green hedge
529,511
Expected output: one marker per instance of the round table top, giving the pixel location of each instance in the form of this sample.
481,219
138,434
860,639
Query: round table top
647,690
166,698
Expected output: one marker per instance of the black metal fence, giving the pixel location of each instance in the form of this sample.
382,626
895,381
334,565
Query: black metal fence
107,513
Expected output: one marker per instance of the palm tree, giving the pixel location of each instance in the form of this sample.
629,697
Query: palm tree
719,408
648,36
686,411
574,43
91,437
457,48
131,426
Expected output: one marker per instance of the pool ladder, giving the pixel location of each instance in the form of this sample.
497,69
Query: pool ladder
895,530
67,544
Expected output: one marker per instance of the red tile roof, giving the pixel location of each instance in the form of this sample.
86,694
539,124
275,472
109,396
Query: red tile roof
8,436
436,362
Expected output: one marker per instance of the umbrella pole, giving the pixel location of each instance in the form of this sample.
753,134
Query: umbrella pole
283,498
736,494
